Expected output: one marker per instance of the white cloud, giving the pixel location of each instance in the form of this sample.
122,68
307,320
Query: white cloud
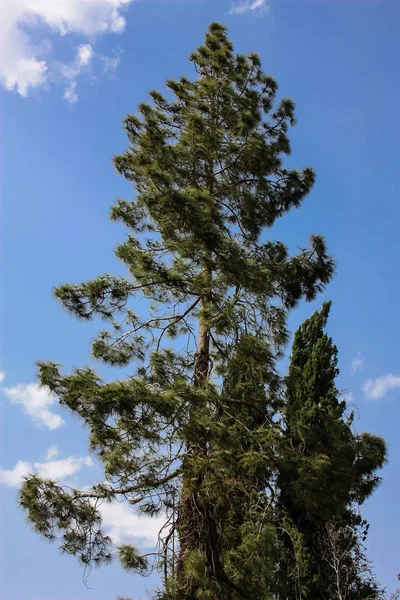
259,6
52,469
123,524
26,64
52,452
1,376
13,477
111,63
70,93
357,363
36,402
378,388
84,54
71,72
60,469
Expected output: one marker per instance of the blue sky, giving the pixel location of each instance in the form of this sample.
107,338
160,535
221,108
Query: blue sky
63,98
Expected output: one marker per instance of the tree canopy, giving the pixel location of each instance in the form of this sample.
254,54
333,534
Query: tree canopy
202,430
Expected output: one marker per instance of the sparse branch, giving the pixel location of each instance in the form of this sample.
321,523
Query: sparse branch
129,489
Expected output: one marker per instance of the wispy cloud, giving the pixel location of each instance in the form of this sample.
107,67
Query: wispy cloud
26,64
71,72
255,6
70,93
111,63
378,388
52,452
36,402
52,469
357,363
84,54
124,524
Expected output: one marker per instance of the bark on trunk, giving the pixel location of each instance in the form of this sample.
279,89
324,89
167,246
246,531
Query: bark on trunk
196,527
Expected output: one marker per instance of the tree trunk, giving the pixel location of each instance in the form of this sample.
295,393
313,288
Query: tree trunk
196,526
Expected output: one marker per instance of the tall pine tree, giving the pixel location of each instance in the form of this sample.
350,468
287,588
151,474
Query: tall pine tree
327,471
191,433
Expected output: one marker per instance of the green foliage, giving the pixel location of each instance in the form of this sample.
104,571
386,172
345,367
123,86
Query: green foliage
195,432
131,560
327,471
51,508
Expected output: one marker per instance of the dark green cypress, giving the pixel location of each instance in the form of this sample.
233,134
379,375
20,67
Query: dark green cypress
192,432
327,472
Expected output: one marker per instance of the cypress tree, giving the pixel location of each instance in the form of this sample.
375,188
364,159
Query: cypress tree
192,432
327,472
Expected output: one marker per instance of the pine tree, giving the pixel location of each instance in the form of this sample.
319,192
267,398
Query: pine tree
327,472
191,433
